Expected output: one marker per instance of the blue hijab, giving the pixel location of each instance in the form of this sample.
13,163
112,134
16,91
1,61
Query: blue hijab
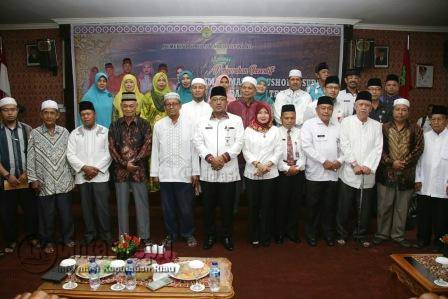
102,100
185,93
263,97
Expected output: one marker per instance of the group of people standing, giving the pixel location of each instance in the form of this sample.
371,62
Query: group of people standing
334,150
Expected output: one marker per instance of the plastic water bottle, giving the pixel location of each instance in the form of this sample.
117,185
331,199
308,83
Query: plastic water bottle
131,283
94,274
215,277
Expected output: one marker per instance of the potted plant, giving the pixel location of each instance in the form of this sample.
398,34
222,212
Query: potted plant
126,246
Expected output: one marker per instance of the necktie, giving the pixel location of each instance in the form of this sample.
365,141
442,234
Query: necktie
289,150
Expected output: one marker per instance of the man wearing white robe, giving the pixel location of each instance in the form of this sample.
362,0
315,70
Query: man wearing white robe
431,181
88,154
361,145
198,107
293,95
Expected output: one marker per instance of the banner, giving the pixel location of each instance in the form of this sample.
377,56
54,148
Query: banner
208,50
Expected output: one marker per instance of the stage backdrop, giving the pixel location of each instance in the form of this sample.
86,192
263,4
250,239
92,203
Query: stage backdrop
206,49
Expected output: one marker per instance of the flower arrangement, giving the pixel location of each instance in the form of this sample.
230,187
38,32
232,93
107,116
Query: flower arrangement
126,246
444,245
444,239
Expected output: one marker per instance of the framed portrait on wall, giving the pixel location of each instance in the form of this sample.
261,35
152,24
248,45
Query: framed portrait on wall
425,76
32,55
381,57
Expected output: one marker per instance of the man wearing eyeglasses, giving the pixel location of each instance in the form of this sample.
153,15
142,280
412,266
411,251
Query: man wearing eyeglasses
175,164
14,188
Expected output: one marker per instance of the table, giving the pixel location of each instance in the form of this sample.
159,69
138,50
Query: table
406,269
83,290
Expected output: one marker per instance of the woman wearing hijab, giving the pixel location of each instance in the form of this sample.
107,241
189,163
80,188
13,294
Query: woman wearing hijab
261,150
101,99
145,77
155,109
184,87
129,84
262,94
224,81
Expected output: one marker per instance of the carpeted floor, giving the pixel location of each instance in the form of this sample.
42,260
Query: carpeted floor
280,271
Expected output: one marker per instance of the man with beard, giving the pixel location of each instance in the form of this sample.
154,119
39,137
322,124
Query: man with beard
293,95
347,97
197,108
14,188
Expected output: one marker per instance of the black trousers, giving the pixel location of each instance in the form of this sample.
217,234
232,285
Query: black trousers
260,195
95,196
49,205
222,194
347,198
432,217
321,204
9,201
287,204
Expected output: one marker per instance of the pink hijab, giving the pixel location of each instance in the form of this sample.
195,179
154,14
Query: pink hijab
230,97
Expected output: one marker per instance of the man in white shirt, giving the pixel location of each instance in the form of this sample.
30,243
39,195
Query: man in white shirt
320,142
331,88
197,108
361,145
88,154
175,164
291,179
431,181
293,95
218,140
347,97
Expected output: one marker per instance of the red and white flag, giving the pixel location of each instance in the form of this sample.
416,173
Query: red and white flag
5,89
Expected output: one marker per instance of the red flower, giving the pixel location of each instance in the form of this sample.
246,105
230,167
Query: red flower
127,238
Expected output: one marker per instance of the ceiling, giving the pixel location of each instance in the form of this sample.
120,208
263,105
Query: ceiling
390,12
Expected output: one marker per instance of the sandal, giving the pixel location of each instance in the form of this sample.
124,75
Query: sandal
35,243
10,248
49,249
70,244
191,242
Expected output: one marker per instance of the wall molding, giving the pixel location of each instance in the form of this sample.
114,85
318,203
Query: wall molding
206,19
411,28
29,26
224,19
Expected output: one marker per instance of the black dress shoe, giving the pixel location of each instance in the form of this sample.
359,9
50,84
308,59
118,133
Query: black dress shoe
421,244
86,242
311,241
294,239
266,243
228,243
330,242
378,241
209,242
279,239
